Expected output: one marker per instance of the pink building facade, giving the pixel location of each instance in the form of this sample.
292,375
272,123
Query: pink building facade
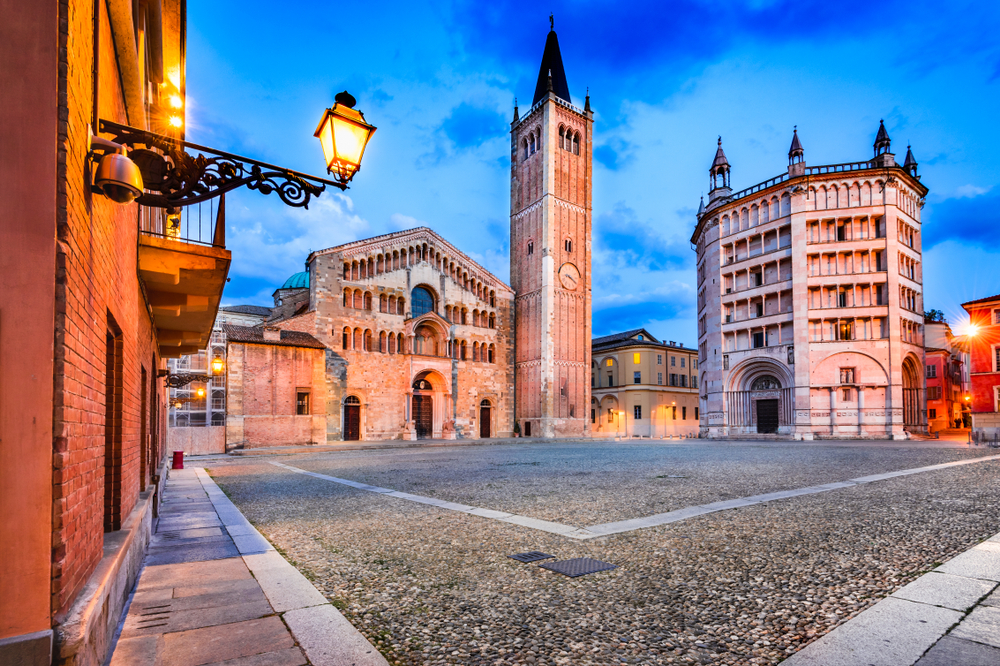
810,318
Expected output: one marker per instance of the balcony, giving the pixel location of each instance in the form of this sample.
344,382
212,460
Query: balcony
184,271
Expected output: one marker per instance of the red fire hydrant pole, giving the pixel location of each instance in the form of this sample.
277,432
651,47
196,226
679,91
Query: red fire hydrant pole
178,460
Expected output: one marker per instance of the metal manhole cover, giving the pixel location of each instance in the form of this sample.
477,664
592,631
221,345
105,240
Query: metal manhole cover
580,566
531,556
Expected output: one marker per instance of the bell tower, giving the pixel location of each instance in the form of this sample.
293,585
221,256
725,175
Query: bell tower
550,230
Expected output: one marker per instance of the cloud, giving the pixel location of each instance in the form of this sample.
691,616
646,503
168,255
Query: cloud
630,241
616,312
471,126
269,244
615,154
965,218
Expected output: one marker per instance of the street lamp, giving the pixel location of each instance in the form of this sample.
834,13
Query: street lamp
343,134
201,392
218,365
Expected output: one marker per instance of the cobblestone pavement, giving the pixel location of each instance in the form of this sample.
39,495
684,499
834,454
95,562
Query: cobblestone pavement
745,586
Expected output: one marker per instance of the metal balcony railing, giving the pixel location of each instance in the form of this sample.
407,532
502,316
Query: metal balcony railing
203,223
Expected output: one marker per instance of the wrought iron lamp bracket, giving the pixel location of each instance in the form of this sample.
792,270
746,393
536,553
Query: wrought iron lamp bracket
173,178
182,379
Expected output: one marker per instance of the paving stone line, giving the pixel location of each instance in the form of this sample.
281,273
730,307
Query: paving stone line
632,524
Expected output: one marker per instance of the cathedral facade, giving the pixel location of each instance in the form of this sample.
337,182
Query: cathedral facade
810,308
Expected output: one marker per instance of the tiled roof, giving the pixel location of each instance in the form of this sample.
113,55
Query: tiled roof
982,300
615,337
255,335
259,310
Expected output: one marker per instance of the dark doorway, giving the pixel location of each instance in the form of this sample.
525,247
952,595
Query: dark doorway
484,419
527,428
423,416
352,419
767,416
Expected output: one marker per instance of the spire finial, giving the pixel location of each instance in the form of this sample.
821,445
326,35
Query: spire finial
552,22
720,139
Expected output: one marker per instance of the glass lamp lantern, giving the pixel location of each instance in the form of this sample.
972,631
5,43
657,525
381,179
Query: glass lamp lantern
343,134
218,365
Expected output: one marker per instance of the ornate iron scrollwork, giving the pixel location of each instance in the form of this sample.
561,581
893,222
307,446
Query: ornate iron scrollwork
182,379
173,178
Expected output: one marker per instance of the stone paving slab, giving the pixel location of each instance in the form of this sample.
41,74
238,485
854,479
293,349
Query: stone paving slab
982,625
945,590
893,632
329,639
957,652
980,561
213,592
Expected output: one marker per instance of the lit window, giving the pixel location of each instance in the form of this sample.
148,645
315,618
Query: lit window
609,363
636,357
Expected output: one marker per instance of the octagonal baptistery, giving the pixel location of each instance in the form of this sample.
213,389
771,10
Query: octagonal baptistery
810,309
420,339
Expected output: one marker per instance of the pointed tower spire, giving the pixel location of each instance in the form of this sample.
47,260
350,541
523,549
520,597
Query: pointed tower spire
882,142
701,207
517,116
910,163
551,68
586,103
796,148
719,174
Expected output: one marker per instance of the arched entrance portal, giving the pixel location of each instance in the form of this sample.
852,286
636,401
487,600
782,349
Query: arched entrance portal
352,418
423,408
484,419
912,400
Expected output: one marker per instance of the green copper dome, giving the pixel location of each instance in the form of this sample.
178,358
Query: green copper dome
297,281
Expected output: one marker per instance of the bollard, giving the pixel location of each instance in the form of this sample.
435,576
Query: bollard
178,460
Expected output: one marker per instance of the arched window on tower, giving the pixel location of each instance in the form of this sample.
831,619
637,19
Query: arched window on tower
368,301
576,143
423,301
531,144
524,147
347,271
492,353
347,298
493,320
562,137
347,338
357,339
381,342
368,340
382,302
392,343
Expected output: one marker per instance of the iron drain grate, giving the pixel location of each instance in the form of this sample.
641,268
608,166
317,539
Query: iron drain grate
531,556
580,566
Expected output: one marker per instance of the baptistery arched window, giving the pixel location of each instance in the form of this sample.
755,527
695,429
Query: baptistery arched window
423,301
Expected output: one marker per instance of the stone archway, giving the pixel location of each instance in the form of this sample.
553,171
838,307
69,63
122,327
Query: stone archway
485,419
912,393
759,399
430,400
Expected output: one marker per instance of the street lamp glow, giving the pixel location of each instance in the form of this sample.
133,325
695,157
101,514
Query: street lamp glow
218,365
176,102
201,393
343,134
176,121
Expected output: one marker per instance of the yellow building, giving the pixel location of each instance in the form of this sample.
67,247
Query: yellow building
642,387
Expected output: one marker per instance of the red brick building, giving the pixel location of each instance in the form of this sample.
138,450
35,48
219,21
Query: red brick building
93,299
984,371
551,172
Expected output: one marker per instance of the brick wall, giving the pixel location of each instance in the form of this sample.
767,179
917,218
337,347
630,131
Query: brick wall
96,282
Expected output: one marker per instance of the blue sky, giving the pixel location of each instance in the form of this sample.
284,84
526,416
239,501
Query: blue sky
665,79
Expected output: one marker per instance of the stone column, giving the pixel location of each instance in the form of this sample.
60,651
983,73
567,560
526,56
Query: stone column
861,410
833,410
